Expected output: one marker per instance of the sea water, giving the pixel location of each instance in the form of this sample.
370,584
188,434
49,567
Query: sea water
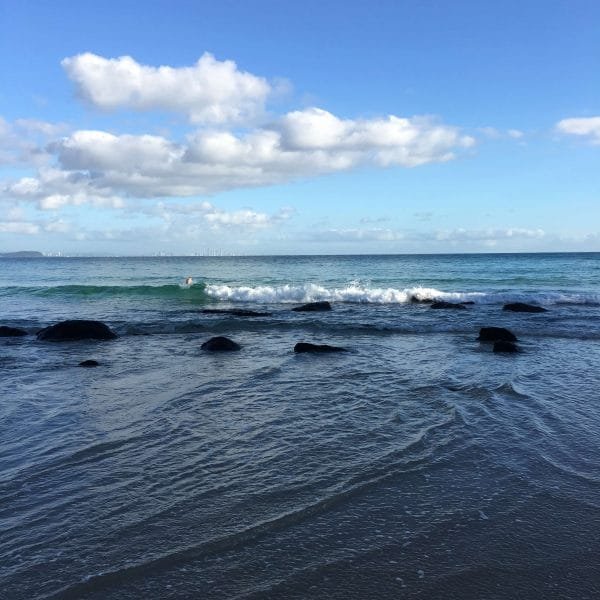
419,464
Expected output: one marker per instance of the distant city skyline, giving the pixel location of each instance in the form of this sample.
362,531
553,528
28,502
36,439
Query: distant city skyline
303,128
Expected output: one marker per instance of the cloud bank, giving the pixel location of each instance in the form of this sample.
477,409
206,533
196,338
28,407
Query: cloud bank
98,167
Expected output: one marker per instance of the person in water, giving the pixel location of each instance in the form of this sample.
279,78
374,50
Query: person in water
189,281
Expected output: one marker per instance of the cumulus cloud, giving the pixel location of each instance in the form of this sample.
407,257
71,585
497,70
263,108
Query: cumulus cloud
22,141
392,140
54,188
100,167
588,127
210,91
110,169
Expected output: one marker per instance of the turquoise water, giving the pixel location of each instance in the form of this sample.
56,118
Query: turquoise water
417,465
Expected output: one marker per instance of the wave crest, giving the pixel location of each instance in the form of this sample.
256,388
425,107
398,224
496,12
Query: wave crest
356,293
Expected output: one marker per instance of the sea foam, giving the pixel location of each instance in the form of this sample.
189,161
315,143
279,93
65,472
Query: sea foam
313,292
357,293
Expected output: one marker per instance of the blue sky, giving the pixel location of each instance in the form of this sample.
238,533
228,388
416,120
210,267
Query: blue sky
308,127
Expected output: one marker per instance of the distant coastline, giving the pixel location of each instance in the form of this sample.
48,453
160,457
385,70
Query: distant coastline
35,254
21,254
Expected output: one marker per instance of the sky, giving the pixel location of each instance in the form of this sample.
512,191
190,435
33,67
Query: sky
313,127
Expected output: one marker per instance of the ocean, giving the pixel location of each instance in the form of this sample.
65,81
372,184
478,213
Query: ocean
418,464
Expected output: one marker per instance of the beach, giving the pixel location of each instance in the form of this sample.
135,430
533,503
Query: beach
417,464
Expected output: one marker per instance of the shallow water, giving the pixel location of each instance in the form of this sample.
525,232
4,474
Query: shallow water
417,465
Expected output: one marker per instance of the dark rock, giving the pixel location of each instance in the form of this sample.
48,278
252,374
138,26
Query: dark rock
496,334
236,312
442,304
89,363
220,344
522,307
76,330
504,346
415,300
313,307
11,331
306,347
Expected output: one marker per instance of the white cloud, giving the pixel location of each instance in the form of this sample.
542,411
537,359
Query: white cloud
21,141
53,189
497,134
179,226
211,91
356,235
204,214
43,128
487,235
58,226
100,168
586,126
460,237
101,151
21,227
392,140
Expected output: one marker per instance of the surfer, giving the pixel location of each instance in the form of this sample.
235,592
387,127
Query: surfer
189,281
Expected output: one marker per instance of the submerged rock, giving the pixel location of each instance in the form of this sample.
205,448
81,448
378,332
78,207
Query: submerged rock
505,346
11,331
442,304
220,344
306,347
522,307
496,334
313,307
89,363
236,312
76,330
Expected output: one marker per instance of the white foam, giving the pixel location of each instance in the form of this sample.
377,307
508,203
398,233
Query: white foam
356,293
311,292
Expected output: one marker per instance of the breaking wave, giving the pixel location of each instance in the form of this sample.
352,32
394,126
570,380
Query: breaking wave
356,293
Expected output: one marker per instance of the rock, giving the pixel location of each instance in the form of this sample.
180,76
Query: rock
237,312
89,363
522,307
220,344
76,330
313,307
415,300
496,334
504,346
306,347
11,331
442,304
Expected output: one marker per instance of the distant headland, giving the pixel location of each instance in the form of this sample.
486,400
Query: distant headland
21,254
